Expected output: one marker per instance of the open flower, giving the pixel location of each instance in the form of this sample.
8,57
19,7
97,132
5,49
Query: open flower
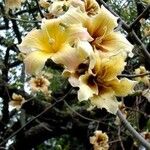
12,4
91,7
17,101
63,44
99,140
44,3
38,84
145,78
101,85
101,27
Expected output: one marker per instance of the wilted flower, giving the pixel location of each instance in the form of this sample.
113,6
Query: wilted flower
145,78
147,31
99,141
17,101
146,94
39,83
12,4
64,44
101,85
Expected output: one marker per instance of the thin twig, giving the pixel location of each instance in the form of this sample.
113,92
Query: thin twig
141,112
134,75
119,137
132,130
36,117
139,42
140,16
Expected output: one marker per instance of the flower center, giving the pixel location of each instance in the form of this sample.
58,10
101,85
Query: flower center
39,83
97,42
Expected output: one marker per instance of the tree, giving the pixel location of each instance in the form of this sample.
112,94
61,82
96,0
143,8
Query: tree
41,95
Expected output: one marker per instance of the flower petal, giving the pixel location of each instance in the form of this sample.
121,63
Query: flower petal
85,92
112,67
35,61
107,101
123,87
102,23
77,31
34,40
115,41
73,16
72,57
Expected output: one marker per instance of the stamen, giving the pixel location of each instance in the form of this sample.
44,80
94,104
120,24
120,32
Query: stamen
51,41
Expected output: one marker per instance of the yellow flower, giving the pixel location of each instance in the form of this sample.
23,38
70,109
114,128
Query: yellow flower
38,84
44,3
145,79
91,7
17,101
101,27
57,8
12,4
63,44
101,85
99,141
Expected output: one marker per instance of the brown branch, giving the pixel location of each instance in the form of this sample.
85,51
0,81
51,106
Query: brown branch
142,15
132,130
134,75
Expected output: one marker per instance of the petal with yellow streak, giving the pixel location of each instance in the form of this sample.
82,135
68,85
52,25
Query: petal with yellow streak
35,61
34,40
115,41
123,87
107,101
103,23
112,67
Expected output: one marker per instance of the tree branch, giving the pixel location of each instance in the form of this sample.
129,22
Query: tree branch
132,130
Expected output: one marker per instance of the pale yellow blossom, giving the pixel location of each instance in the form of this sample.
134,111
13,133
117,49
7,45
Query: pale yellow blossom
101,27
63,44
39,84
101,85
145,78
17,101
99,141
12,4
91,7
44,3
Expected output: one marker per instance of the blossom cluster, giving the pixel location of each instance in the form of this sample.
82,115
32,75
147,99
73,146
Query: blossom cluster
82,37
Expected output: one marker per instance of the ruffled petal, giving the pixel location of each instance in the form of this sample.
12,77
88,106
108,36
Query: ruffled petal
35,61
112,67
107,101
123,87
